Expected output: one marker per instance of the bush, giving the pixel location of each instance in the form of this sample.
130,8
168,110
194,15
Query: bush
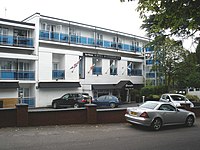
153,90
194,98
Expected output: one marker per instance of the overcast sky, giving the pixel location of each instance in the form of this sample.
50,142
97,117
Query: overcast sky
110,14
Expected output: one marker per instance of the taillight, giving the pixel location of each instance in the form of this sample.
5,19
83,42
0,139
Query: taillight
83,100
144,115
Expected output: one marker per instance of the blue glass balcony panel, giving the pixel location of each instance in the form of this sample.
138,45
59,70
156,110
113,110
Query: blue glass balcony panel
149,62
107,44
150,75
64,37
58,74
91,41
97,71
44,35
99,43
134,72
149,49
14,75
6,40
84,40
23,41
7,75
54,36
126,47
25,75
29,101
73,39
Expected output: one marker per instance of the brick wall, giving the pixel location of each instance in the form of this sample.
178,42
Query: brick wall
21,116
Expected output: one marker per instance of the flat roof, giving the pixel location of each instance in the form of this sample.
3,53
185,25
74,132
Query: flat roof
92,26
17,22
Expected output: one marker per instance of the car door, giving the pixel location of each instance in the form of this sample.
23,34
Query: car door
170,114
64,100
71,99
100,101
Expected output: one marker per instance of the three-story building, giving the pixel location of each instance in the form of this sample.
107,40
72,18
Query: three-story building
54,56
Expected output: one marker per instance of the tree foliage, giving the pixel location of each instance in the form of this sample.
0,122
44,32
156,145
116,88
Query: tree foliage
167,54
170,17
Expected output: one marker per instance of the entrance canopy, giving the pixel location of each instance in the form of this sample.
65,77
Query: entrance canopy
9,85
59,85
120,85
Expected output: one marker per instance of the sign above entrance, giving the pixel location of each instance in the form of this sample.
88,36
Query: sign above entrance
102,56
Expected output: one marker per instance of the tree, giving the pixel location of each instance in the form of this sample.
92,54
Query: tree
167,53
170,17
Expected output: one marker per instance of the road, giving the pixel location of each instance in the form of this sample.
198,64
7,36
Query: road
100,137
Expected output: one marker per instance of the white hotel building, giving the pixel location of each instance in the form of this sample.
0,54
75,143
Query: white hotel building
42,57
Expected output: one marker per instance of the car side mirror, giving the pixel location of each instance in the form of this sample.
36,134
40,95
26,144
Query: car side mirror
168,100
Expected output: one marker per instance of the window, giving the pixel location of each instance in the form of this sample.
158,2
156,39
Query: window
55,66
129,68
99,39
21,33
6,65
97,70
4,31
23,66
82,67
167,107
113,67
66,96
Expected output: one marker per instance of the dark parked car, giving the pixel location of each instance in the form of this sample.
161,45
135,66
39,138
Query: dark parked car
71,100
106,101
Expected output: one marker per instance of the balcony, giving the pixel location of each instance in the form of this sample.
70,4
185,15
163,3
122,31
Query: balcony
30,101
58,74
16,41
134,72
149,62
97,71
16,75
150,75
88,41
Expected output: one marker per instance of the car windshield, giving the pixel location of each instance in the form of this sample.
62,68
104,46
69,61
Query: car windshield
178,98
149,105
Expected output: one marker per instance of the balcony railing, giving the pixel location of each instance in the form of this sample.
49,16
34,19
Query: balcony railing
29,101
88,41
97,71
149,62
58,74
16,41
150,75
17,75
134,72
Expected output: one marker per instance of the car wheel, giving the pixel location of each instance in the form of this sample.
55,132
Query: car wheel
189,121
55,105
156,124
112,105
76,105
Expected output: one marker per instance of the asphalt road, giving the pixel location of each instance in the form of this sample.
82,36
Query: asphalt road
100,137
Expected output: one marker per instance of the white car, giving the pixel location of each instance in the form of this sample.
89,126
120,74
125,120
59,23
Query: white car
176,99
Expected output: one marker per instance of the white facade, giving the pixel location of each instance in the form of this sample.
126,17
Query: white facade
73,57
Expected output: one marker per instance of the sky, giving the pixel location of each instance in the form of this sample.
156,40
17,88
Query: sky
110,14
